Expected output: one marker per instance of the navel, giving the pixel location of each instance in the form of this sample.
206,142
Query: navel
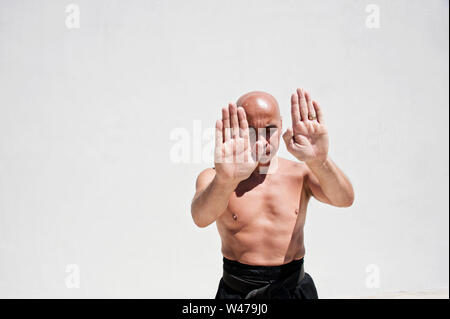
296,211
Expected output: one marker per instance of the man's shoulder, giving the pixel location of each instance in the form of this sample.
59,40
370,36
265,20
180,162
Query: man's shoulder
292,169
205,177
208,171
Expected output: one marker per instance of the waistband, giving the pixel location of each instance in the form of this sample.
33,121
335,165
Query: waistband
261,272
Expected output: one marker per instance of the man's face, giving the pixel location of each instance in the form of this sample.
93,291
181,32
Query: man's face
264,121
267,128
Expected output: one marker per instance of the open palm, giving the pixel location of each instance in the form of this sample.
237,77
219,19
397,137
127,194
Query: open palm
234,158
308,139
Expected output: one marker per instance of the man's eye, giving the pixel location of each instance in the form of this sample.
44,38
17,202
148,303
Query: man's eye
270,131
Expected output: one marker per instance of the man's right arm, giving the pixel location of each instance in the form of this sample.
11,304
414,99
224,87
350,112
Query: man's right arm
233,161
211,198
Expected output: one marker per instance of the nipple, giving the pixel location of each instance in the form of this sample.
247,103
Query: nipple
296,211
234,216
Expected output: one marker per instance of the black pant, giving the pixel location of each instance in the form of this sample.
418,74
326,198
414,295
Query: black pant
288,281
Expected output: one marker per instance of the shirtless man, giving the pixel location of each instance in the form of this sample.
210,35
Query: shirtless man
259,204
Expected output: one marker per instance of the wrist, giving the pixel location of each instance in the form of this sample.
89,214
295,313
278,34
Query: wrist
225,183
317,163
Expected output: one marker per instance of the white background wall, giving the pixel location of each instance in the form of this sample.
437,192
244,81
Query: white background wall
86,114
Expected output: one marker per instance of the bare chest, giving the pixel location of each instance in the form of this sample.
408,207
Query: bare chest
274,201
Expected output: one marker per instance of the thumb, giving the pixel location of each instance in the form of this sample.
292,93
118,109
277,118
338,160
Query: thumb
288,138
258,149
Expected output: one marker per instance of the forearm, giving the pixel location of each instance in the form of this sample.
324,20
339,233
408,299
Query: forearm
211,202
333,182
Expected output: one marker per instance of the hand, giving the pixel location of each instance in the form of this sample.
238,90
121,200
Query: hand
233,158
307,140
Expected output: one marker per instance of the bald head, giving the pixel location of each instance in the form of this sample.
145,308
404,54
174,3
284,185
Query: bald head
263,116
257,104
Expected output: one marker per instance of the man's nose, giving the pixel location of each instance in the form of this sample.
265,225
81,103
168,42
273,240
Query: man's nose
262,136
265,139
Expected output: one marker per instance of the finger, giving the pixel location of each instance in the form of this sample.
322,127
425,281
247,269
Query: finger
254,150
295,112
252,139
288,138
319,112
243,124
226,124
259,148
243,129
218,155
234,120
219,135
303,105
311,111
257,151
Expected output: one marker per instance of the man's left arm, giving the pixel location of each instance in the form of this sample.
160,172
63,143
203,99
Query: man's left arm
308,141
328,184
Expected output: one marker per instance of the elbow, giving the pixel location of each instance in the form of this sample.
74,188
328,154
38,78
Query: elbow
197,221
345,201
348,201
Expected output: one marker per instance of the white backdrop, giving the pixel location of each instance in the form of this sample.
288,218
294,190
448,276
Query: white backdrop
92,204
